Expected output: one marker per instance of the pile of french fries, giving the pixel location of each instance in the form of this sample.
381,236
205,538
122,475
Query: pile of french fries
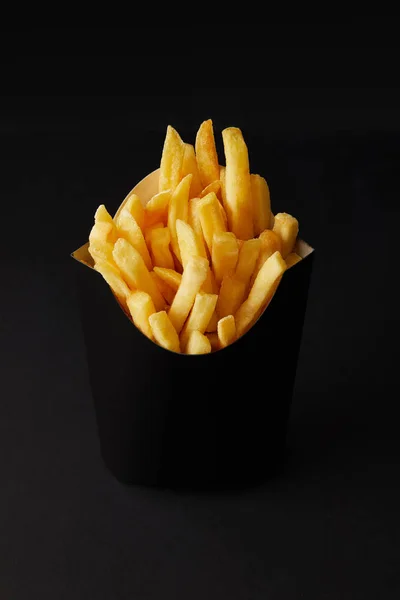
196,266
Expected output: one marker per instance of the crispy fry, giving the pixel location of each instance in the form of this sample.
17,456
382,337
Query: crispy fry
102,215
247,261
287,227
261,204
148,232
156,209
113,277
160,239
292,259
200,315
165,290
188,242
133,205
215,187
141,306
171,277
101,241
210,218
206,153
230,296
226,331
129,229
135,272
270,243
225,254
189,165
198,343
261,292
164,332
195,223
222,178
238,184
193,278
171,160
178,209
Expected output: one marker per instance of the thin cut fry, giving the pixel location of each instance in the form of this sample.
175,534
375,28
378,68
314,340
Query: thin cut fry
270,243
237,184
171,160
171,277
156,209
133,205
213,323
261,292
130,230
247,261
159,240
165,290
206,153
226,330
188,242
225,254
135,272
261,204
230,296
178,209
149,230
193,278
113,277
164,332
189,165
292,259
101,241
198,343
194,222
210,218
215,187
200,315
287,227
103,215
141,306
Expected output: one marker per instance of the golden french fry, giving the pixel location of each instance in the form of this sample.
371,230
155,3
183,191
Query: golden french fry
141,307
195,224
261,292
164,332
156,209
188,242
292,259
189,165
193,278
160,239
231,296
206,153
248,256
287,227
200,315
213,339
222,178
225,254
238,184
178,209
270,243
215,187
171,277
129,229
198,343
102,215
261,204
135,272
101,241
210,218
171,160
226,330
213,323
148,232
113,277
165,290
133,205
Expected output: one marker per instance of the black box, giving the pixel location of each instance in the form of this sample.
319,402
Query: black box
192,421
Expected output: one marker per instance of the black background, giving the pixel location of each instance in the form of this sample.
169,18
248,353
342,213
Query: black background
79,129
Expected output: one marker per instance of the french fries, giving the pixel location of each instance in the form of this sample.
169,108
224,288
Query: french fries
198,344
135,272
196,265
193,278
164,332
206,154
171,160
238,184
260,293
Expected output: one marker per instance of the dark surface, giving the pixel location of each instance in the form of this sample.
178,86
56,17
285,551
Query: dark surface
325,528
